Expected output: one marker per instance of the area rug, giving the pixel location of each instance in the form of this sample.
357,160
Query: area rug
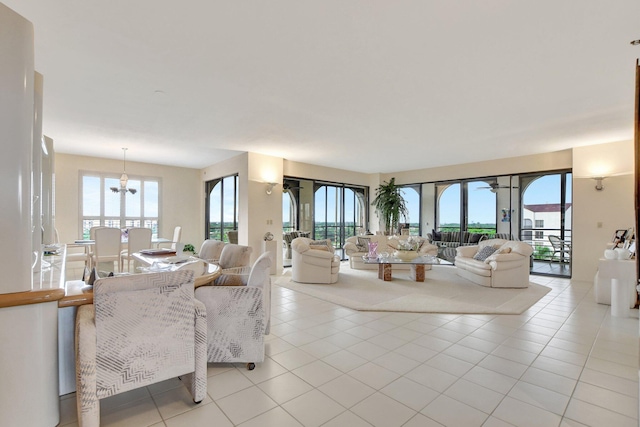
443,291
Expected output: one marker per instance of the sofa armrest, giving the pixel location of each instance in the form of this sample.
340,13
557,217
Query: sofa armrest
320,254
467,251
350,248
428,249
505,257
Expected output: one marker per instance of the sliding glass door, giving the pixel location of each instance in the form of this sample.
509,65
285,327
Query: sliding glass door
546,221
221,209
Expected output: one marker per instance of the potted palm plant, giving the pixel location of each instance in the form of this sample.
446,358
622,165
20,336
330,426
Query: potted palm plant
390,205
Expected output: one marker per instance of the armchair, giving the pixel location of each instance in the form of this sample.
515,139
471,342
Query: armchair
233,259
314,261
141,329
238,317
211,250
507,267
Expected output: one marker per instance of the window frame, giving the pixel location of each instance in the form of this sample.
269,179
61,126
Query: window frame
107,220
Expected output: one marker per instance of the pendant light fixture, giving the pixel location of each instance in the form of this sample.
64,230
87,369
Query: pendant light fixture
124,179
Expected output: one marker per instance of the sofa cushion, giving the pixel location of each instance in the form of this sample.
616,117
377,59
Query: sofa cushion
484,253
363,244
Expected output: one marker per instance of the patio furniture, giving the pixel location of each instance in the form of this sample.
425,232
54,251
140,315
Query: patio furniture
561,247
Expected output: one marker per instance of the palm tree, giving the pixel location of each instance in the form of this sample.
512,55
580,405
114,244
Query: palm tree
390,204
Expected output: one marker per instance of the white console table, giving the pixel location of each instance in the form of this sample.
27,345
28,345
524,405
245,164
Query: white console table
615,284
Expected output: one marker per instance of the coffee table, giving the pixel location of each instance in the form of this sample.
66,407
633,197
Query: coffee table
416,272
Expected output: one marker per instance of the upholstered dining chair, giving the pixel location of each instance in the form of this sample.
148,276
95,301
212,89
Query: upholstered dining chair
211,250
139,239
106,248
238,317
141,329
234,262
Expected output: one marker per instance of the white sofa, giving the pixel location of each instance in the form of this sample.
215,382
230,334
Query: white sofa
508,267
313,264
355,254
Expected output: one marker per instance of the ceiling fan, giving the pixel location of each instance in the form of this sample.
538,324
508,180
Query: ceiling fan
493,187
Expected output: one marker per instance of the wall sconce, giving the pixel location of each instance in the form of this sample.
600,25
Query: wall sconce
599,179
270,186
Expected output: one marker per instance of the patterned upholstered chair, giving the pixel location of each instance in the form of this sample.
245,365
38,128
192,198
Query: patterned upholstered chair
141,329
211,250
234,262
238,317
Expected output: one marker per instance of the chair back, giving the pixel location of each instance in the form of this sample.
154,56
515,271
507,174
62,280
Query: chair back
107,244
233,255
555,242
145,329
139,239
177,235
92,231
211,250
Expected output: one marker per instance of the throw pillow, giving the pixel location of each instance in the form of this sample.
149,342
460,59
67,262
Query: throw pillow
436,235
502,250
484,253
474,238
321,245
362,244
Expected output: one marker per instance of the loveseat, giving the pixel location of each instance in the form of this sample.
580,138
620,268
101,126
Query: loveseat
356,247
506,267
448,241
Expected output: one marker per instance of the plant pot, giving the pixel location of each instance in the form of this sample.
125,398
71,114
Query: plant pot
406,255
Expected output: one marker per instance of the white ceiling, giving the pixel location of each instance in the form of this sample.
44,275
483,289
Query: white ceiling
364,85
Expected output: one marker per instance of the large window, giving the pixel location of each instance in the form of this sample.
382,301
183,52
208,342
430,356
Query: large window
411,194
221,213
339,212
467,206
102,207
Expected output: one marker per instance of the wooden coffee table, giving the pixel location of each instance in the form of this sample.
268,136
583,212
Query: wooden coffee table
416,271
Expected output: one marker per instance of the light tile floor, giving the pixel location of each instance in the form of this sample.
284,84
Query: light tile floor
564,362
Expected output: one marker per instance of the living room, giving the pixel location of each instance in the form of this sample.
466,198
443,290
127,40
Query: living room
347,93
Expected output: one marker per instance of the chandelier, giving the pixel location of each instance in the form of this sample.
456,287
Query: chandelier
124,179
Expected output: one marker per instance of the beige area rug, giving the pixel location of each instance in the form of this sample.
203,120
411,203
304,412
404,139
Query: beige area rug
443,291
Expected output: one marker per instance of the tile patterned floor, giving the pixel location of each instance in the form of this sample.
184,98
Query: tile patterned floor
564,362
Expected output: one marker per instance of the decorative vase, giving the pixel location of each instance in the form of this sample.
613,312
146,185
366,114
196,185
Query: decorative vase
406,255
610,254
373,250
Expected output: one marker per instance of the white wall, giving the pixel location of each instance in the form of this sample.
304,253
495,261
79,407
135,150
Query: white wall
597,214
183,193
181,199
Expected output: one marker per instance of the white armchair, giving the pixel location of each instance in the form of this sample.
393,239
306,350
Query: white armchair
507,267
314,261
141,329
238,317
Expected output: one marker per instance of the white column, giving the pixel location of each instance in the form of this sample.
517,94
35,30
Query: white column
16,126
